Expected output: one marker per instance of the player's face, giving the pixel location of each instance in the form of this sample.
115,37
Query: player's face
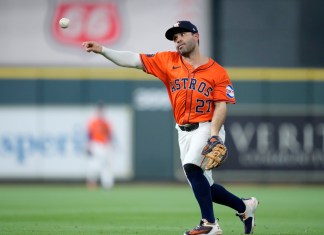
185,42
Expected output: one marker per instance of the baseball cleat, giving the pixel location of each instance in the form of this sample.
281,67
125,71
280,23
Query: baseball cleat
248,216
206,228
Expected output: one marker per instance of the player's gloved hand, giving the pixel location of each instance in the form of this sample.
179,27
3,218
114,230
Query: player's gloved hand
215,151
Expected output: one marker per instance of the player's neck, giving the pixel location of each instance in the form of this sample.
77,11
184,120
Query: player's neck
195,59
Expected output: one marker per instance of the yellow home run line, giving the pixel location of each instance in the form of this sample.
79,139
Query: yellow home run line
239,74
276,74
72,73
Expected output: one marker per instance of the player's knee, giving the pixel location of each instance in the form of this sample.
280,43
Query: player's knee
192,169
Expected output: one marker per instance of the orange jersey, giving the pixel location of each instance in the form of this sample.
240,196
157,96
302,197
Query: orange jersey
99,131
192,92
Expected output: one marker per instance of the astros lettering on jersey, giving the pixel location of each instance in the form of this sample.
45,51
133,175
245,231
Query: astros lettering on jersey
192,92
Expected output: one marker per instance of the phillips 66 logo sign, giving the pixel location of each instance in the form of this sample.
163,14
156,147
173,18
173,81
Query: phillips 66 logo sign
98,21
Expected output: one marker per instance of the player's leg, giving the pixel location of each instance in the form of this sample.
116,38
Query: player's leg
106,172
93,168
221,196
247,217
201,189
245,207
106,178
191,144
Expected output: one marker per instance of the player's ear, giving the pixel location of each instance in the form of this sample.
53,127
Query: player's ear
196,35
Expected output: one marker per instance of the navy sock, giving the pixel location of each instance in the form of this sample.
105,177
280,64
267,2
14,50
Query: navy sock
201,189
221,196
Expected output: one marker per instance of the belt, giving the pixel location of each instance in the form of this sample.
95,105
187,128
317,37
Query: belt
189,127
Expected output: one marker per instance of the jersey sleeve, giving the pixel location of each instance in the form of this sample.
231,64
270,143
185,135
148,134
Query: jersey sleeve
223,90
155,64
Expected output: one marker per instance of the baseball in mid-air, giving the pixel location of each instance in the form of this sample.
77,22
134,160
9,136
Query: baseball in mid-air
64,23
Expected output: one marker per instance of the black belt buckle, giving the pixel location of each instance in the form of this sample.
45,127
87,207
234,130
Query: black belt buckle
189,127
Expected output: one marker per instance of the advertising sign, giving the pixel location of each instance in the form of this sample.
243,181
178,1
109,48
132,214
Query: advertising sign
275,142
50,142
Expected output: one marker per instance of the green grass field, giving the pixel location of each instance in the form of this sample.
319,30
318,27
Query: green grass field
151,210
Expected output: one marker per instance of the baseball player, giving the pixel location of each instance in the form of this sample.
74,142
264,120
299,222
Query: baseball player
99,149
199,90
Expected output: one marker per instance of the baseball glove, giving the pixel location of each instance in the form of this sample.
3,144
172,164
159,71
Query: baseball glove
215,151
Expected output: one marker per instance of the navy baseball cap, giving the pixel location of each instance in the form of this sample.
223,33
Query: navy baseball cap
179,27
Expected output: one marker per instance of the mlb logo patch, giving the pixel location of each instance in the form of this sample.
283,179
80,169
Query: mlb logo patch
230,91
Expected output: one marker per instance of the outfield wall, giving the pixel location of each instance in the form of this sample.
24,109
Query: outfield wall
270,137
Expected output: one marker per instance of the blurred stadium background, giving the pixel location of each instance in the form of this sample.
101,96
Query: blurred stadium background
273,51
